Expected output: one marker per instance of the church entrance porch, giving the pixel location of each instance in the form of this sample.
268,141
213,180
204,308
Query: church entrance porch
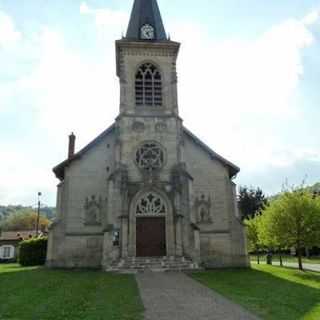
151,229
151,237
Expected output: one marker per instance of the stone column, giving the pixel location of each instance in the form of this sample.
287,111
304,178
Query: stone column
124,236
179,250
107,250
50,253
110,217
178,225
132,235
196,245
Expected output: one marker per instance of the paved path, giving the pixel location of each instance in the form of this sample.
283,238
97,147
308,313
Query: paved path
306,266
175,296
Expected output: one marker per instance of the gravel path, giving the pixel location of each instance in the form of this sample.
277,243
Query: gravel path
175,296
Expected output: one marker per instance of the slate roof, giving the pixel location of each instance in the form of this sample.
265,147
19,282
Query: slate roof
233,169
145,12
60,168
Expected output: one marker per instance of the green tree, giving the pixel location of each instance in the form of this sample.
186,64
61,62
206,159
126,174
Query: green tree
292,220
251,201
23,220
267,237
252,230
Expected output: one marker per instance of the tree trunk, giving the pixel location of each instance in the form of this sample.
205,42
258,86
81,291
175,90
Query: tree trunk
269,258
308,253
280,257
258,257
299,249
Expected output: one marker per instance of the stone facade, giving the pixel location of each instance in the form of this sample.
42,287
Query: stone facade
146,165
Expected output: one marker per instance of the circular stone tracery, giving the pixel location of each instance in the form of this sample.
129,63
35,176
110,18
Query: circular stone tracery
150,156
151,204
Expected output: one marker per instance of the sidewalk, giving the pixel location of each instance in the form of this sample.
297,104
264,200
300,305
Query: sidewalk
175,296
306,266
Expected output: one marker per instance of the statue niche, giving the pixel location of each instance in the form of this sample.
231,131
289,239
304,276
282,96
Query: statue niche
93,209
203,208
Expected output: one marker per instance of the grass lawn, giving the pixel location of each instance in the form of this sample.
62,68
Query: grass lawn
273,293
41,294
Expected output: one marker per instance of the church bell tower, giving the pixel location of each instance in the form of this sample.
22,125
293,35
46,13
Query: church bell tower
146,64
149,137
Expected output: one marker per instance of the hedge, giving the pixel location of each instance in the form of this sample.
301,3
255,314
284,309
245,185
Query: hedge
33,252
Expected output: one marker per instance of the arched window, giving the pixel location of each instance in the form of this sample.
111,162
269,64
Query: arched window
151,204
148,86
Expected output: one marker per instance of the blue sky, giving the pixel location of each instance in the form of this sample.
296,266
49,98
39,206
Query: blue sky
253,95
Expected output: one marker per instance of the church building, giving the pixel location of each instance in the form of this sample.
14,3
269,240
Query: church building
147,190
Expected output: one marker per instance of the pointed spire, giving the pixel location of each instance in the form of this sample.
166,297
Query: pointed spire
145,12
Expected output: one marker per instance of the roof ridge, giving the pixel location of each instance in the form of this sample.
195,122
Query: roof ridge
235,169
59,169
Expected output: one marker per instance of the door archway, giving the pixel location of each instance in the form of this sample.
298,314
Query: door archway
151,225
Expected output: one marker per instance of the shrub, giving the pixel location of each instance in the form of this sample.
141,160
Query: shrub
33,252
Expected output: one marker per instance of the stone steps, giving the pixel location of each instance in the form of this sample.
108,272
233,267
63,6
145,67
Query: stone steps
154,264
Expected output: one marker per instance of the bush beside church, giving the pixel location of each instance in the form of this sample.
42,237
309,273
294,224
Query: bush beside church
33,252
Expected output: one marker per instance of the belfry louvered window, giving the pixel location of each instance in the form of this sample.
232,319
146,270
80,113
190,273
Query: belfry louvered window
148,86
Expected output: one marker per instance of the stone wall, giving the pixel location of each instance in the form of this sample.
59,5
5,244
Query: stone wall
75,239
222,240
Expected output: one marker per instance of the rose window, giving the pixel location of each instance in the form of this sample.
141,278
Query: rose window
150,156
151,204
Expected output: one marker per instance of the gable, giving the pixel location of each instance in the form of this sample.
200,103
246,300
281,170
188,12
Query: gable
232,168
59,170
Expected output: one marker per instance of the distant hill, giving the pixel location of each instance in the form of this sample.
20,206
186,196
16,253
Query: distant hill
6,211
313,189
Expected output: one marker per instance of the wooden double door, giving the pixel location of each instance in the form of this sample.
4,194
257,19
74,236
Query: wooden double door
151,237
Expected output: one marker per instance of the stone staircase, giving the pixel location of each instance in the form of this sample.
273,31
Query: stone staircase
153,264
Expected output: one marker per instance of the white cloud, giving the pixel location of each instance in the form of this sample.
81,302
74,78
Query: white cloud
73,93
8,33
67,91
106,19
22,176
84,9
246,89
311,18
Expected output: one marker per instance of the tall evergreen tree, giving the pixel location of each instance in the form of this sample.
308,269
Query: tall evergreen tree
251,201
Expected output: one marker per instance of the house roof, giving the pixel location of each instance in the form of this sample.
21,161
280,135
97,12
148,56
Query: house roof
17,235
145,12
60,168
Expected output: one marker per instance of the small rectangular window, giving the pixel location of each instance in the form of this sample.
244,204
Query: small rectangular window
6,252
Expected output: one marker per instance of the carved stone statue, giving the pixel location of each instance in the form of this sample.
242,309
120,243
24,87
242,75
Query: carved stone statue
93,208
203,206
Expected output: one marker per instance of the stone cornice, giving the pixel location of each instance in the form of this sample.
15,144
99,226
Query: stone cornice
81,234
143,45
142,48
215,231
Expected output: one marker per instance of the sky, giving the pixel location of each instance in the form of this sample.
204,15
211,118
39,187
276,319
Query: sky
248,74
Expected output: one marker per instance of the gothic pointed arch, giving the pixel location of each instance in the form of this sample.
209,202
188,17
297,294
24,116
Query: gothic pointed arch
148,85
151,202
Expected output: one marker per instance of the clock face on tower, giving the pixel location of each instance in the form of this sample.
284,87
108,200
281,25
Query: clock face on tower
147,32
